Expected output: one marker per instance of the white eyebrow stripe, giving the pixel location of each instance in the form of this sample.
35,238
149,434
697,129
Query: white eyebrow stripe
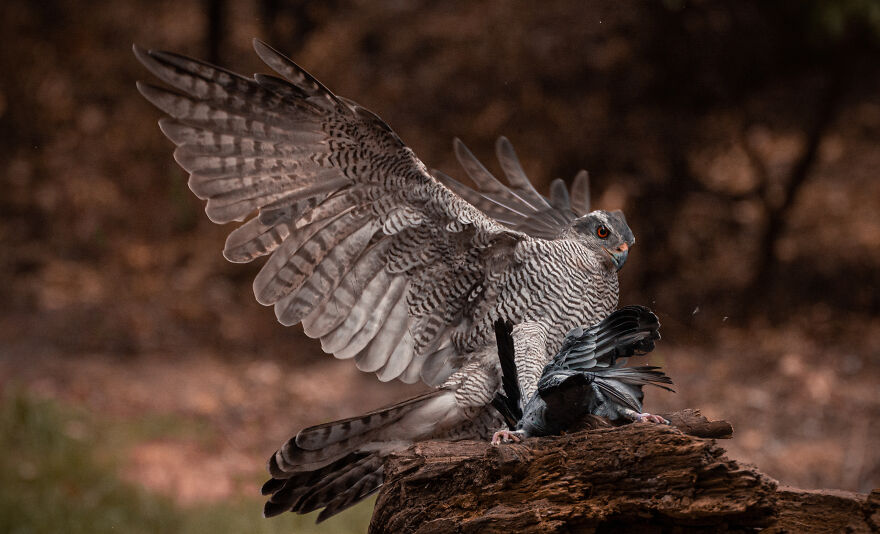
601,216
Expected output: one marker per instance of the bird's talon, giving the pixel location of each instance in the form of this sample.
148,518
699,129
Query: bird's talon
650,418
505,436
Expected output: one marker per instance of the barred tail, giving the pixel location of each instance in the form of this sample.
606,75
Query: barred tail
335,465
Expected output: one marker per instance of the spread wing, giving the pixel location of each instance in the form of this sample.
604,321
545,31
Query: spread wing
519,206
374,256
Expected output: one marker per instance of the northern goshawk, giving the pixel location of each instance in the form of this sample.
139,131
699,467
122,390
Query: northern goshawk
399,270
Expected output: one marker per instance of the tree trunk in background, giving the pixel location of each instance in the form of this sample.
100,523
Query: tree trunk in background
777,213
215,34
287,24
641,477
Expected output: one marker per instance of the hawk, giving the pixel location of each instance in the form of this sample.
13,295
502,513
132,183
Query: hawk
399,270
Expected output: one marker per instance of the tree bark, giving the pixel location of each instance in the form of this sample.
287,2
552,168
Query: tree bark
639,477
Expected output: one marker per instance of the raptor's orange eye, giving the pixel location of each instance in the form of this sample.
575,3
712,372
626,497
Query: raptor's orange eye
602,232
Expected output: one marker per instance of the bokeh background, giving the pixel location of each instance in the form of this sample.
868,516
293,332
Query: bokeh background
143,387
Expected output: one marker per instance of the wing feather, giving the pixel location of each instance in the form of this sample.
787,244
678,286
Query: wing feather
368,302
273,280
329,315
580,192
371,253
375,355
519,206
517,176
399,360
490,187
327,275
255,238
374,311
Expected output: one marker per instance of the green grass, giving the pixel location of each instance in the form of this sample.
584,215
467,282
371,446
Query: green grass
58,473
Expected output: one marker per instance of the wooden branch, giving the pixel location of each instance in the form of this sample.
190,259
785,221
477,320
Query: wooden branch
692,423
639,477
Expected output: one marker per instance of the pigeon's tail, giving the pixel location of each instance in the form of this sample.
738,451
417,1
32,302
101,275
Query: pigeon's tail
623,385
335,465
637,376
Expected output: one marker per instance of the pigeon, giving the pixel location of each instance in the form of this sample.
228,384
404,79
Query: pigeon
586,377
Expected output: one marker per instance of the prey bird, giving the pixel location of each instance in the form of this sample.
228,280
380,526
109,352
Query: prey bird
586,377
399,270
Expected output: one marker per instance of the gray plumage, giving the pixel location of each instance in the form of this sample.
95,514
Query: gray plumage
386,265
585,377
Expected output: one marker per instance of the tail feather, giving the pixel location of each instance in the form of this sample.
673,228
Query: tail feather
337,484
334,465
366,486
303,477
292,458
638,376
286,490
319,436
618,394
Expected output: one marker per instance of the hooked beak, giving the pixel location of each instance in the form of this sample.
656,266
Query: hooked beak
618,256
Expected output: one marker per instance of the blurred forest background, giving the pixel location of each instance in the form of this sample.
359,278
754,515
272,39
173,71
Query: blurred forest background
143,387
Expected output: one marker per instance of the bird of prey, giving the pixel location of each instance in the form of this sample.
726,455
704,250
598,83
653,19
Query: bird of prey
587,376
401,271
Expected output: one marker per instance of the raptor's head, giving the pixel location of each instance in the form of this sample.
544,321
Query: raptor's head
607,234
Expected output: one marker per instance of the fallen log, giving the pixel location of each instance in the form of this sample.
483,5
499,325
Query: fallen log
640,477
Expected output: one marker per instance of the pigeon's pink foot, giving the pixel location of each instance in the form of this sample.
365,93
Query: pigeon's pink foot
505,436
650,418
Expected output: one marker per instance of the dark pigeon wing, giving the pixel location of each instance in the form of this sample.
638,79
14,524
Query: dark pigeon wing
626,332
508,404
